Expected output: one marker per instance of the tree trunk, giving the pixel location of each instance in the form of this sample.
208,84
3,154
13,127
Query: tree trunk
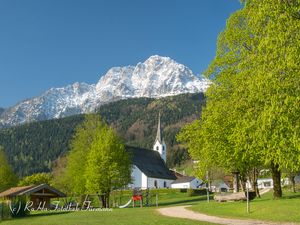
277,193
100,201
293,182
107,200
242,183
253,181
255,177
103,201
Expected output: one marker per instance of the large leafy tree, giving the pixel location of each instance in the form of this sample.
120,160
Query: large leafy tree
7,177
98,162
81,145
108,165
210,138
252,115
271,86
40,178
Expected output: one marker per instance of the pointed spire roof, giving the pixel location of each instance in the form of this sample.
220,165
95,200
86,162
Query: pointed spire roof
159,136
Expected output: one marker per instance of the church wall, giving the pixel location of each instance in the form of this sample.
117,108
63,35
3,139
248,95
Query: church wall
160,183
144,181
137,175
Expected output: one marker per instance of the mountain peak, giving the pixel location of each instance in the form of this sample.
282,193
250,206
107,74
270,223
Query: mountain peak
157,77
158,59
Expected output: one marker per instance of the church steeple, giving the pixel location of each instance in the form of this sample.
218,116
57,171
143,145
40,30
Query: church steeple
159,143
159,136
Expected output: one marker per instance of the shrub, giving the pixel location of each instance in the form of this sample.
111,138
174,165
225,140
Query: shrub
191,192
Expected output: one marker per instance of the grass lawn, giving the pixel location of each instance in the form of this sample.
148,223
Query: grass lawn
129,215
263,208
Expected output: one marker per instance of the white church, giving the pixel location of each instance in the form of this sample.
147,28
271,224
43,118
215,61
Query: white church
150,169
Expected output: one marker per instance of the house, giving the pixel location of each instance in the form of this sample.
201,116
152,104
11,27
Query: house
266,181
219,186
40,194
186,182
150,169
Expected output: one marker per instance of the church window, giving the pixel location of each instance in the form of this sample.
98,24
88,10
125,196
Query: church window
163,148
165,184
155,184
157,148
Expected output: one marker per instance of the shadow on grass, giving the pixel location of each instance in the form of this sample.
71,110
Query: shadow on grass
293,196
48,213
193,201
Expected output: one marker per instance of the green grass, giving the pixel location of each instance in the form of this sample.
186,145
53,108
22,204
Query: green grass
117,216
265,208
129,215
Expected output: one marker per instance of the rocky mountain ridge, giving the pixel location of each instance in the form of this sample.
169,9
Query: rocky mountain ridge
156,77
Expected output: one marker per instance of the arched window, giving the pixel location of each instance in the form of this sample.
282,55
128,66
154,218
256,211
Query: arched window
155,184
163,148
157,148
165,184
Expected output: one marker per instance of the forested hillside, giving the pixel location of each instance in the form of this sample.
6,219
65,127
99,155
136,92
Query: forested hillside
32,148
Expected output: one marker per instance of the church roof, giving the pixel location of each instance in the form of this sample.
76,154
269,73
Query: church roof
159,136
150,163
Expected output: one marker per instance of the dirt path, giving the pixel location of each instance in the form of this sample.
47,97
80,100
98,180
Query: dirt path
182,212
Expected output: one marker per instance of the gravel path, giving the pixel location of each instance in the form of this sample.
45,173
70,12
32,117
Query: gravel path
182,212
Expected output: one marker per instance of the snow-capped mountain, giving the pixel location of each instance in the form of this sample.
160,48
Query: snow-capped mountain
156,77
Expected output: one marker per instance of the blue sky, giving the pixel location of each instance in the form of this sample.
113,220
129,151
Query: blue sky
55,43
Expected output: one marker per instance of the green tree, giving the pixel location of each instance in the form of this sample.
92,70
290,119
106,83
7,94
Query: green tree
271,85
252,115
81,146
7,177
210,139
36,179
97,161
108,165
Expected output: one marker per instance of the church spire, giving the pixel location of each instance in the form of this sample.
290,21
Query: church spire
159,136
159,143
